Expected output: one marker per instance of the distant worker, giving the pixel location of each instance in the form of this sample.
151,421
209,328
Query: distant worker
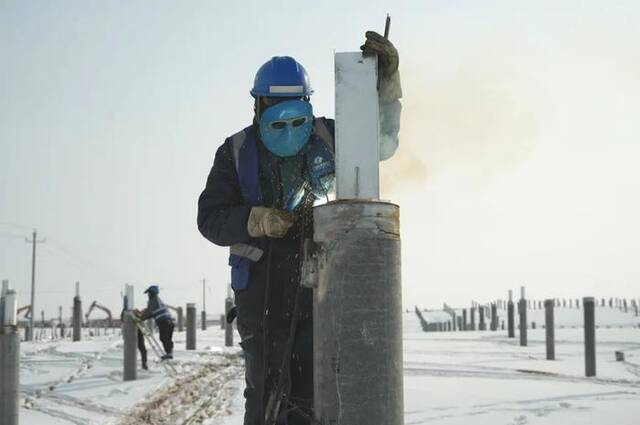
160,313
258,200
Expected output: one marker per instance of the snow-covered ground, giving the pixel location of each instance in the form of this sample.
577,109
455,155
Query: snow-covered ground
81,383
460,377
449,378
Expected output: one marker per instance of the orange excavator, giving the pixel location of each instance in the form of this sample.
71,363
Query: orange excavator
99,306
26,309
179,314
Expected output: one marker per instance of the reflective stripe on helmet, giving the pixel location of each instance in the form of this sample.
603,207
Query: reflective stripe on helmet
286,89
282,76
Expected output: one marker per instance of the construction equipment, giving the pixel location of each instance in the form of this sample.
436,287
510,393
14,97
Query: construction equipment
155,346
423,322
99,306
170,307
27,314
452,312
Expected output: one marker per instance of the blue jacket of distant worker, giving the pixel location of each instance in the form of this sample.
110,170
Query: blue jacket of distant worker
155,307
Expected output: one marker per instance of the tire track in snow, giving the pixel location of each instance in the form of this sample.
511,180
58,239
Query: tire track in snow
86,363
538,407
60,415
207,392
43,398
446,370
519,375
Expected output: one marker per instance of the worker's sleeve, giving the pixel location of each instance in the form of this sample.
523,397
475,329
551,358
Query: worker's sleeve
152,306
222,215
389,95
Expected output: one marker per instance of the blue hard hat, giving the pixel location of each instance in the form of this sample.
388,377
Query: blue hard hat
282,76
153,289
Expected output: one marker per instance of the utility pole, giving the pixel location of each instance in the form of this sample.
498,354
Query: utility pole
33,242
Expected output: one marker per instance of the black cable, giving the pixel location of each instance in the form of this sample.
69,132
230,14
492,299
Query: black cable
5,234
280,395
264,320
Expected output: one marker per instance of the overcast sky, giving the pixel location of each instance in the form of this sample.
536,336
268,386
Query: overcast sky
517,166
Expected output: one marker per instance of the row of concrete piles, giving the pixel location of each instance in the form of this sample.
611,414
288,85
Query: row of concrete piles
10,344
465,321
589,333
588,307
75,332
460,323
623,304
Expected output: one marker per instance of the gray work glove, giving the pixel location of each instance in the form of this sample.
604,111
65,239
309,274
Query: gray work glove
389,90
269,222
386,51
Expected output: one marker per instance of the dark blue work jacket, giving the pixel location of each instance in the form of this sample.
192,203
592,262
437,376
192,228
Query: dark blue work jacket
233,187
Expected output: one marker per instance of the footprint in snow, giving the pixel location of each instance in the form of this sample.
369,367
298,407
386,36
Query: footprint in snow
520,420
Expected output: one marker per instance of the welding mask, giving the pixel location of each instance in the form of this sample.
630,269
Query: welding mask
285,127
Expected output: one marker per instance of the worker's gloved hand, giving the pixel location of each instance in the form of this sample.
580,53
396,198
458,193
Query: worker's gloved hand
232,314
269,222
387,54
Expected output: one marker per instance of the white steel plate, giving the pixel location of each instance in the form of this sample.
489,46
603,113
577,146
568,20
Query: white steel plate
357,126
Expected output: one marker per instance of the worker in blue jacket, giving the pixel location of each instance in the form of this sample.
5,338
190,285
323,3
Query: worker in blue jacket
157,310
257,202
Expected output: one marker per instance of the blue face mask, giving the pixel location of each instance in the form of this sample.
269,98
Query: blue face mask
285,127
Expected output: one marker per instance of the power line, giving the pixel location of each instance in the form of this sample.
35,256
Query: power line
15,225
84,262
5,234
73,262
66,291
